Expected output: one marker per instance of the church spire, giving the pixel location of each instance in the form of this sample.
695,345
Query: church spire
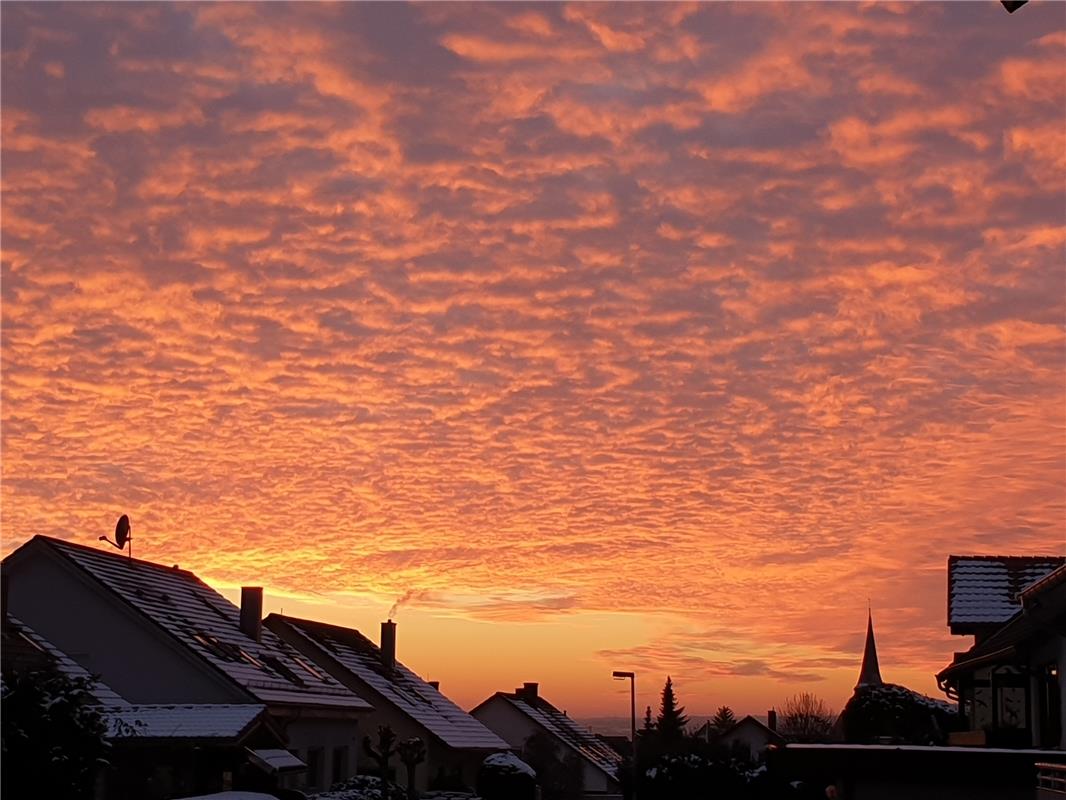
870,674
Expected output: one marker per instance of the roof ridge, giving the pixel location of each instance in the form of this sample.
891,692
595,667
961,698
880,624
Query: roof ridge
314,623
140,562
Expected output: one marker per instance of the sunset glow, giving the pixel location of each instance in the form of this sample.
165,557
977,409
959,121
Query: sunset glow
607,336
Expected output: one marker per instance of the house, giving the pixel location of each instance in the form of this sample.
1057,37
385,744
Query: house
158,635
747,737
456,743
523,714
1009,683
157,751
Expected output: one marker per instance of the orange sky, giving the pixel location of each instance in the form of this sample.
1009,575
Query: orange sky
614,336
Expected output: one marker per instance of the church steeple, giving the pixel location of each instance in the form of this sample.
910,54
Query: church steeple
870,673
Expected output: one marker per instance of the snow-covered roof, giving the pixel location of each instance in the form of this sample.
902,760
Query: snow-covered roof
983,590
209,625
572,734
102,693
204,721
275,760
399,687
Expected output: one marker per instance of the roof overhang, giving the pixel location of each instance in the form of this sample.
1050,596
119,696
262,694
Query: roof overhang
275,761
308,711
1002,656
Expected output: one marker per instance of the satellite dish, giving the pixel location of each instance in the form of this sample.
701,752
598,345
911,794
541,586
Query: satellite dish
122,531
122,535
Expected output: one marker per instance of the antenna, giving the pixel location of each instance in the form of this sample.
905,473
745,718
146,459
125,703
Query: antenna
122,535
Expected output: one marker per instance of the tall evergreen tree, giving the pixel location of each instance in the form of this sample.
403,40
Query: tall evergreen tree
723,719
672,720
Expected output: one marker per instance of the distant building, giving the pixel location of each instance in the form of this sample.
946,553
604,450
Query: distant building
887,713
456,743
523,714
158,635
870,671
1010,683
747,737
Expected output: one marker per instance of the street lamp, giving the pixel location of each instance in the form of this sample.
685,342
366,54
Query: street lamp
632,678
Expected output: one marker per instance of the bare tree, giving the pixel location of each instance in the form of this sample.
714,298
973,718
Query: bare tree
806,718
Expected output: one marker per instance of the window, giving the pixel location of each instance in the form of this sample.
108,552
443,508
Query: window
281,669
340,764
314,767
310,670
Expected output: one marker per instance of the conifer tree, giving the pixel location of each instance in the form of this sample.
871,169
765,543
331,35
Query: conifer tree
672,720
723,719
649,725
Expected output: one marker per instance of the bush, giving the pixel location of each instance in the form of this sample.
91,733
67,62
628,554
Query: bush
53,737
899,714
504,776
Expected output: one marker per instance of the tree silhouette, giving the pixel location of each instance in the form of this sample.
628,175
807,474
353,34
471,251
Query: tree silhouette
412,752
672,720
649,725
806,718
53,735
382,754
723,719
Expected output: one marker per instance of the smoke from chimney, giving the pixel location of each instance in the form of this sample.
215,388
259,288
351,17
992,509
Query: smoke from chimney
405,598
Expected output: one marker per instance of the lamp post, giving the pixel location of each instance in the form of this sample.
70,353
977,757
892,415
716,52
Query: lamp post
632,678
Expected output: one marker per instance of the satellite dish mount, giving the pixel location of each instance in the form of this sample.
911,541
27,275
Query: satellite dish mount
122,535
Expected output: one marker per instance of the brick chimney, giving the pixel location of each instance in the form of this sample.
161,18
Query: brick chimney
771,719
388,645
252,611
528,691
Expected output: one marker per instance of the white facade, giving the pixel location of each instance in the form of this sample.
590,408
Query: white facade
501,717
750,736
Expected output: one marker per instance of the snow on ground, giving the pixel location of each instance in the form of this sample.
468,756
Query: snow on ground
368,787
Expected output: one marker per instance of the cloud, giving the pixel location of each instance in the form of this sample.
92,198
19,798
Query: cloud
699,311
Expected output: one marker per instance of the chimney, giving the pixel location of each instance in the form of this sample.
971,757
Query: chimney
527,692
388,645
252,611
771,719
434,684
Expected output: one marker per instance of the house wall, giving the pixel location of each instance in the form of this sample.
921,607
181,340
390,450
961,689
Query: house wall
749,737
108,638
326,736
515,728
